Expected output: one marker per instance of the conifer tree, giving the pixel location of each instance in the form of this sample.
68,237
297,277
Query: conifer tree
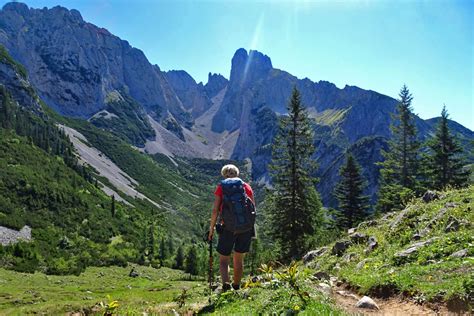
296,207
445,162
163,251
399,175
179,259
191,262
112,206
352,202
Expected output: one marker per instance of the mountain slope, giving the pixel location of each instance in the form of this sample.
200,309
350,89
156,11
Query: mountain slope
424,252
83,70
74,64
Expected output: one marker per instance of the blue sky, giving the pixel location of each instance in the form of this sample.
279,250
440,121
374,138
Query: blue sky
377,45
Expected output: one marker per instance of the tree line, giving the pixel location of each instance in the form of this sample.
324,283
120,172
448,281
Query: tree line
293,215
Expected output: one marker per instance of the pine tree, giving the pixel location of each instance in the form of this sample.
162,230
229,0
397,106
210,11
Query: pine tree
179,259
151,240
163,251
445,162
399,176
112,206
352,202
191,262
295,211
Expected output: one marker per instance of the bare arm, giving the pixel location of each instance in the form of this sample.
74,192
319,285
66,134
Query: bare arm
215,211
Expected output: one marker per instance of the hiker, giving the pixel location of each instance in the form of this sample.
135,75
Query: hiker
235,204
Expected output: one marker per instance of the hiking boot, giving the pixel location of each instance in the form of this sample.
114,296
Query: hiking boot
225,287
236,287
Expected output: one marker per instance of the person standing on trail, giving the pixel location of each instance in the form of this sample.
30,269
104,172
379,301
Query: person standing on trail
235,205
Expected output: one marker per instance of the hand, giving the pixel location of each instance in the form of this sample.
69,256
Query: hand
211,233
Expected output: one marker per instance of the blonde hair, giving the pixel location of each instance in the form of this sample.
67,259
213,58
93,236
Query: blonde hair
230,171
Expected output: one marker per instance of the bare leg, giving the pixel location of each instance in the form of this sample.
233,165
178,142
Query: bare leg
238,267
224,268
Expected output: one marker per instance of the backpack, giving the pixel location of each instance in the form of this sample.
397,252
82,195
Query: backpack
238,210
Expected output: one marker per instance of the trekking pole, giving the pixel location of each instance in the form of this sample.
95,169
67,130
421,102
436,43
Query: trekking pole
211,262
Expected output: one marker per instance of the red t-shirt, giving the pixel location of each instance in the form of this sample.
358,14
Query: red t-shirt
248,191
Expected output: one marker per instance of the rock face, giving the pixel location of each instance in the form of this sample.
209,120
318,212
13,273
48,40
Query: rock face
74,64
215,84
10,236
17,84
192,95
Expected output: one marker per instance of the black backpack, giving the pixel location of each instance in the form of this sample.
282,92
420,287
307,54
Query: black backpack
238,210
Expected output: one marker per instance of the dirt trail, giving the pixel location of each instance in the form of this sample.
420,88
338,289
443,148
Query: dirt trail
393,306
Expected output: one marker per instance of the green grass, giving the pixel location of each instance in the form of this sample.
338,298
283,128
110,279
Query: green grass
331,116
153,291
7,59
430,274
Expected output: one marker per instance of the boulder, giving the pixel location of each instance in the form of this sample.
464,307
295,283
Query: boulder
414,248
430,196
340,247
366,302
397,220
325,288
348,257
351,230
314,254
459,254
358,238
321,275
372,244
450,204
133,273
453,225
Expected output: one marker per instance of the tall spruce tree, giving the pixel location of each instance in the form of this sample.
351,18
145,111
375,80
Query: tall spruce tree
399,175
179,259
191,261
445,162
295,211
353,204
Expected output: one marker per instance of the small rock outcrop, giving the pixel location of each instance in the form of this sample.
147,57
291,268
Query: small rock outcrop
321,275
453,225
459,254
310,256
367,302
10,236
371,244
358,238
430,196
414,247
340,247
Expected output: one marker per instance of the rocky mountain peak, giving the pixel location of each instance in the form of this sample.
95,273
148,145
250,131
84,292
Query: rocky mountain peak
17,7
215,83
248,67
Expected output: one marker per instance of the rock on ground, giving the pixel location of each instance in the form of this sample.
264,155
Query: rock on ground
314,253
414,247
367,302
340,247
459,254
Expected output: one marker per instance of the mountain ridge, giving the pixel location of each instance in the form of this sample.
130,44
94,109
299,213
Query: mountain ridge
233,118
